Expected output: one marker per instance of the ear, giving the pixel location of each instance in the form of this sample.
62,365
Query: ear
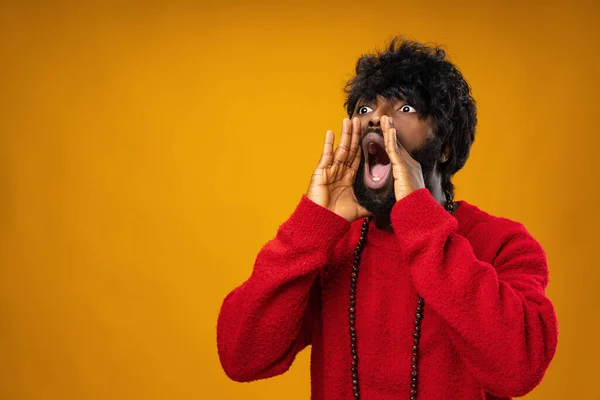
445,154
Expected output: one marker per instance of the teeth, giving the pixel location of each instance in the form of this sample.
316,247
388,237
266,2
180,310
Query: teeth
376,179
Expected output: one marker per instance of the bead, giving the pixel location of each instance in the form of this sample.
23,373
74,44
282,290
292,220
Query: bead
352,311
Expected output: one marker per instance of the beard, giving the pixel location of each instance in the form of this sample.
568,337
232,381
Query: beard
380,202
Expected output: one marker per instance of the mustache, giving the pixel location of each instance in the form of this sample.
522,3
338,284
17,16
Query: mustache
377,131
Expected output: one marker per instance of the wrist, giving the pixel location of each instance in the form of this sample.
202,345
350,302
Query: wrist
404,193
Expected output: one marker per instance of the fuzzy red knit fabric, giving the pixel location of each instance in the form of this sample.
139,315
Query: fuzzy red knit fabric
488,329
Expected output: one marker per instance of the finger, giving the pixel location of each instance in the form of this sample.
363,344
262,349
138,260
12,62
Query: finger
391,122
395,142
394,148
391,145
356,160
385,125
327,155
355,140
342,150
404,154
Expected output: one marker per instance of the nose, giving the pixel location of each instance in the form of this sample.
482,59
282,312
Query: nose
374,121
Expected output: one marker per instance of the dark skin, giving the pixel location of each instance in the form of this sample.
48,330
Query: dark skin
332,181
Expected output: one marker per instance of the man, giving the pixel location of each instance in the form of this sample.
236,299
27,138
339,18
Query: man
402,292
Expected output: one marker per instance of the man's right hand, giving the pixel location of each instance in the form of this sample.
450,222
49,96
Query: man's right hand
331,185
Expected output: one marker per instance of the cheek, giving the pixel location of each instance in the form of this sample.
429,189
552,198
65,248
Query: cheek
407,136
412,134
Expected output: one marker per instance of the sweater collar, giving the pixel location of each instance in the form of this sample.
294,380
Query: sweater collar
381,238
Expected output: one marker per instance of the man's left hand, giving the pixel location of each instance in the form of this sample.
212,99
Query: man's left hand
408,175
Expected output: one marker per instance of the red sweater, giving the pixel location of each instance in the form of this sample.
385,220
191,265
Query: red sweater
488,329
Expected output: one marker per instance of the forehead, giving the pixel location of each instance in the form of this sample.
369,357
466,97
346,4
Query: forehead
382,98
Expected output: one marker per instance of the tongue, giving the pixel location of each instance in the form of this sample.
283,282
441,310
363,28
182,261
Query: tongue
378,171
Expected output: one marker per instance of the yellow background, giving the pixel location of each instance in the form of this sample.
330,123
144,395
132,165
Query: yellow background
149,150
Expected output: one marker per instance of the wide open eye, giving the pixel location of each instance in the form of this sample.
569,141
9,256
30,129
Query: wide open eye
407,109
363,110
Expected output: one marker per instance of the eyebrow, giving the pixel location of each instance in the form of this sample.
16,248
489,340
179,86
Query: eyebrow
364,101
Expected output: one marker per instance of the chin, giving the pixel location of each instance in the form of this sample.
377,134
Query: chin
378,202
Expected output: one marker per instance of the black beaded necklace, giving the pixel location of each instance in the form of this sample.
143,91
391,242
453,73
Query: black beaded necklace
450,206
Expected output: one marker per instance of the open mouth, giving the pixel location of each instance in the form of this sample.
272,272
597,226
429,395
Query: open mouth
377,162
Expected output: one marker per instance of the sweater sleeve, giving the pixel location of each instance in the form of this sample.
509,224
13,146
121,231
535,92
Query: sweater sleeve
501,322
267,320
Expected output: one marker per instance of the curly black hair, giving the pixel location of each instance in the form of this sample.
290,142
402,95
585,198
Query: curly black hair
423,77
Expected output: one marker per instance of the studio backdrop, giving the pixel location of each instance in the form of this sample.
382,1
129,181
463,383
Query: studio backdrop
149,149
